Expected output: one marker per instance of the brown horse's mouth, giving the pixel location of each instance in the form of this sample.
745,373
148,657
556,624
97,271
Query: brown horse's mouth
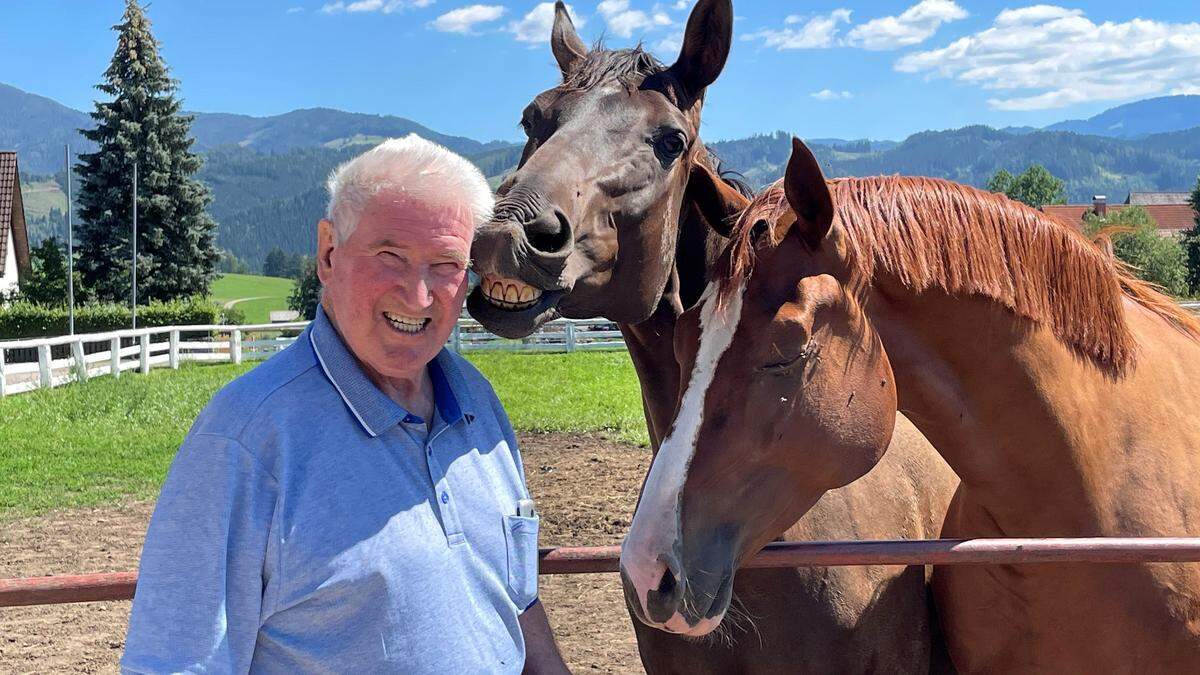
510,294
489,304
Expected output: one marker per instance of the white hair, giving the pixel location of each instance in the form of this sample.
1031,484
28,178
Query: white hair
430,174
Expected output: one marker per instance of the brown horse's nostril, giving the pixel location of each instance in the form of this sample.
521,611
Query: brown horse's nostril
550,231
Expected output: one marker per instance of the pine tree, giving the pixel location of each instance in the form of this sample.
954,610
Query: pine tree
176,255
1191,243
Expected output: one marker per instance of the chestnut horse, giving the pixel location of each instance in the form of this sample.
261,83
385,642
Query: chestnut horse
612,213
1060,388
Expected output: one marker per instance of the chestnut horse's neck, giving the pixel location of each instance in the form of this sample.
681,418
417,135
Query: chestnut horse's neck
651,342
1045,441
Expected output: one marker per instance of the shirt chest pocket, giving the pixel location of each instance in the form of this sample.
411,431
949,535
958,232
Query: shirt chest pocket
521,539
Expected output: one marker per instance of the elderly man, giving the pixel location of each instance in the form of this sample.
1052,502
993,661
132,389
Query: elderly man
357,502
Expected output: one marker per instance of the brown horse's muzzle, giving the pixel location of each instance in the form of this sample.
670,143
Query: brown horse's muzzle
531,254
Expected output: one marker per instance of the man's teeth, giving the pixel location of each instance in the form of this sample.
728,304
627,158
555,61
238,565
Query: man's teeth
509,293
406,324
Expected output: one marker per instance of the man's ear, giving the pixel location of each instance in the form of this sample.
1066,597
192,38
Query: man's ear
717,201
326,236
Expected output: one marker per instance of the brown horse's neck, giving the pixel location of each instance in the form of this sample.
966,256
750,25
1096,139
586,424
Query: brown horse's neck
651,342
1044,440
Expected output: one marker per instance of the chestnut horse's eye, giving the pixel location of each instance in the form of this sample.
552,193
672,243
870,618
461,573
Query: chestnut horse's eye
670,145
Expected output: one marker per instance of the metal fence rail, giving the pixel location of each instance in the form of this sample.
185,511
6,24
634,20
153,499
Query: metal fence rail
581,560
115,352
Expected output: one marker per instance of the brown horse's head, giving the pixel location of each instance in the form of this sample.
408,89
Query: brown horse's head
787,393
587,224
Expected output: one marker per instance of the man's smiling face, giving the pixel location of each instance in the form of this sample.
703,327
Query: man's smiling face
395,286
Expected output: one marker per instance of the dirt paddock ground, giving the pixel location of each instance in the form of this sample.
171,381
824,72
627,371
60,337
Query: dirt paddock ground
585,488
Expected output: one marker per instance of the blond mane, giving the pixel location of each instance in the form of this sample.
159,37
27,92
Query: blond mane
935,234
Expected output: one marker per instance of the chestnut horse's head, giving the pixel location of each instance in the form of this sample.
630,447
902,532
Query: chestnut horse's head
789,395
587,224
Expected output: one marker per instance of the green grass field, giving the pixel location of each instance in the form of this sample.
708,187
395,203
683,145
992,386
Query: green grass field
41,196
107,439
271,293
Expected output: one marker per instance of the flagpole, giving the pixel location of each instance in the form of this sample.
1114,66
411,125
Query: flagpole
70,244
135,210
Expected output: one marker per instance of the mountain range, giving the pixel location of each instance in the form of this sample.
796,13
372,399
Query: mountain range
266,173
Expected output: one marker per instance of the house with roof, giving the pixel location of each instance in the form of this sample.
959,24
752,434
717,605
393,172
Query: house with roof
14,238
1171,211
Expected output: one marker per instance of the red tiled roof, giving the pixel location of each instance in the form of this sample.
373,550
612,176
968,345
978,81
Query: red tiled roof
1173,217
8,183
12,214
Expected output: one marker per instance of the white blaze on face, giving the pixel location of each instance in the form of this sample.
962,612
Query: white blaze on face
656,522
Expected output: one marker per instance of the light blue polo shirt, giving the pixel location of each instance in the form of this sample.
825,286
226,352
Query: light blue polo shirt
308,524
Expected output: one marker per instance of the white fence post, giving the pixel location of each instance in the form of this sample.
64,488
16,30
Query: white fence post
3,377
570,337
114,356
173,355
81,373
456,339
144,354
44,366
235,345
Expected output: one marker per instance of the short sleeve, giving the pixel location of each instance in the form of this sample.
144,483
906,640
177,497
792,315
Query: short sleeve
199,595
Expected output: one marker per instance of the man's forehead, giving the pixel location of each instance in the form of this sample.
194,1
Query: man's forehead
391,209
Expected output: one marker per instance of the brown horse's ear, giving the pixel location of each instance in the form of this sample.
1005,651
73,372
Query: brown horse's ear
564,41
706,42
808,195
717,201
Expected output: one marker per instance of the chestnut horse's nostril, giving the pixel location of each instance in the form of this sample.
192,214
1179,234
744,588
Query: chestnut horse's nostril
667,598
550,231
667,584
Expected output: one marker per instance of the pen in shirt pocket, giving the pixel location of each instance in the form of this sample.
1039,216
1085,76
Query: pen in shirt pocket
525,508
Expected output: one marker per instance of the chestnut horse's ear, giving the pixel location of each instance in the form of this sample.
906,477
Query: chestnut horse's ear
808,195
706,42
564,41
717,201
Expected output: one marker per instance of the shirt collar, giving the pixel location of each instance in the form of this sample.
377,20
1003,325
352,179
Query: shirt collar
373,409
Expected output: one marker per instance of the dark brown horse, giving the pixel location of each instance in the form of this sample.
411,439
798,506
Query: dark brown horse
1059,387
614,212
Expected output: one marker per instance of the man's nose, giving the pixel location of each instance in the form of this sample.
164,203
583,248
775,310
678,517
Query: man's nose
416,291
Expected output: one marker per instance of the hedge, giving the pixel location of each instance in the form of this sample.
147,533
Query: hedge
22,320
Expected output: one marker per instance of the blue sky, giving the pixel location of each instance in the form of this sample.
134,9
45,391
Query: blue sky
843,68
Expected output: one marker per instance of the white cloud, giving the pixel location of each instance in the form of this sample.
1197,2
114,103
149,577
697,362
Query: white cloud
295,10
384,6
916,25
535,26
670,44
831,95
464,19
817,32
1049,57
624,22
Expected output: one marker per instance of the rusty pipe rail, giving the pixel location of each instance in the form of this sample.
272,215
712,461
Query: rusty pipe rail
584,560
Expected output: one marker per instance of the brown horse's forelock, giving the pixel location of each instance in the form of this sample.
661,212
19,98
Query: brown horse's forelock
935,234
601,65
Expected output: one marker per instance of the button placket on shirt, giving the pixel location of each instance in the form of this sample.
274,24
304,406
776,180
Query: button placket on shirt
444,497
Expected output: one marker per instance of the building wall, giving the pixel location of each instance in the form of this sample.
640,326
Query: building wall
8,282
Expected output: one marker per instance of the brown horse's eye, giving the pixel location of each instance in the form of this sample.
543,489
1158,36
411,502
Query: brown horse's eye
670,145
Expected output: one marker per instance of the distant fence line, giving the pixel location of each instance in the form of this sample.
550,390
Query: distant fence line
31,364
26,365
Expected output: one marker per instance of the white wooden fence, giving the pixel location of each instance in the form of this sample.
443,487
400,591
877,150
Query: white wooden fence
111,353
